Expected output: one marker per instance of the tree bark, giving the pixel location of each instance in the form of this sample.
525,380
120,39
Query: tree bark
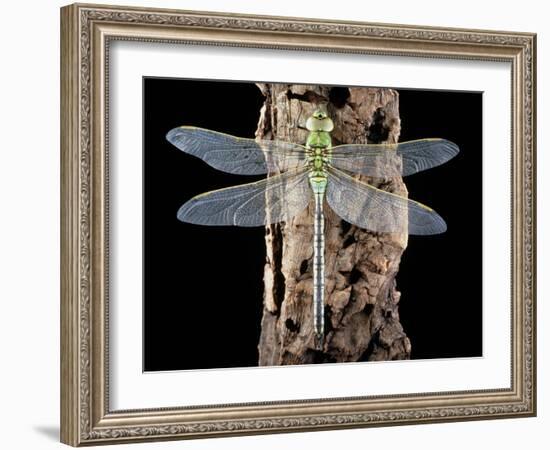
361,300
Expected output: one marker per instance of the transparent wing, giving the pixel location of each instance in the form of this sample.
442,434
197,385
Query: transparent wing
237,155
275,199
393,160
373,209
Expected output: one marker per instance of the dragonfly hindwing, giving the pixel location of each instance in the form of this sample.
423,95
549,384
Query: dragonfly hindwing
275,199
373,209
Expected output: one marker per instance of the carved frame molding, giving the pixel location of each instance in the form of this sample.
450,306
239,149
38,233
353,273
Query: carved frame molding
86,31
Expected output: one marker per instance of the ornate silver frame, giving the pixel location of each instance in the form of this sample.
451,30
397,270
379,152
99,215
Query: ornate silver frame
86,31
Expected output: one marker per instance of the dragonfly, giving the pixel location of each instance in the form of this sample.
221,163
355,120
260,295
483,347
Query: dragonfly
318,171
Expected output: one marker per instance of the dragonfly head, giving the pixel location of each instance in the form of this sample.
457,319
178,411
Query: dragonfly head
319,114
319,121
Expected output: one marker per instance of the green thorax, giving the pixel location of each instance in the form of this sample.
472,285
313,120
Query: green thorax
318,143
318,139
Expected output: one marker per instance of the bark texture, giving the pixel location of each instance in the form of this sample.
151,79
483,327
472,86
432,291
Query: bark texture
361,300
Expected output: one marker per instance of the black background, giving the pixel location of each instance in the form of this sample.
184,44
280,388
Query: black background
203,286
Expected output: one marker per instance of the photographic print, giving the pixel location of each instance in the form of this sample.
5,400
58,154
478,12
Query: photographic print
289,224
279,224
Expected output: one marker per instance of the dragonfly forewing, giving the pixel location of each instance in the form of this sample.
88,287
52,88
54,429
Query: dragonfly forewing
374,209
236,155
275,199
393,160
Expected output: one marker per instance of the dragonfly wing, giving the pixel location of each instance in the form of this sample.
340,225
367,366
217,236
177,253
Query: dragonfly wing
393,160
237,155
275,199
375,160
373,209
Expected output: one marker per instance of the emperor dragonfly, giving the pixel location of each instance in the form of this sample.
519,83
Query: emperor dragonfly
317,169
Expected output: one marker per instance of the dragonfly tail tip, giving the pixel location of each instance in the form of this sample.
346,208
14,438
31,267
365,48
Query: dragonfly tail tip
319,341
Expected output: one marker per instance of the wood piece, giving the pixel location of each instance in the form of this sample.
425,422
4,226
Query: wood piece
362,317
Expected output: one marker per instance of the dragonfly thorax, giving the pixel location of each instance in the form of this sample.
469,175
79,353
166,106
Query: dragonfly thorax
318,156
318,144
318,139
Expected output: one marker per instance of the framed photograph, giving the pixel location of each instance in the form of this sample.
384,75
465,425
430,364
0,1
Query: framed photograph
286,224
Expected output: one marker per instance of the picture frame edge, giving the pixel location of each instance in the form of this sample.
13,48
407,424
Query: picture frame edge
85,416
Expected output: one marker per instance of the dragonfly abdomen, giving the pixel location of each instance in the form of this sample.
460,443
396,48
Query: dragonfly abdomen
319,270
318,180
